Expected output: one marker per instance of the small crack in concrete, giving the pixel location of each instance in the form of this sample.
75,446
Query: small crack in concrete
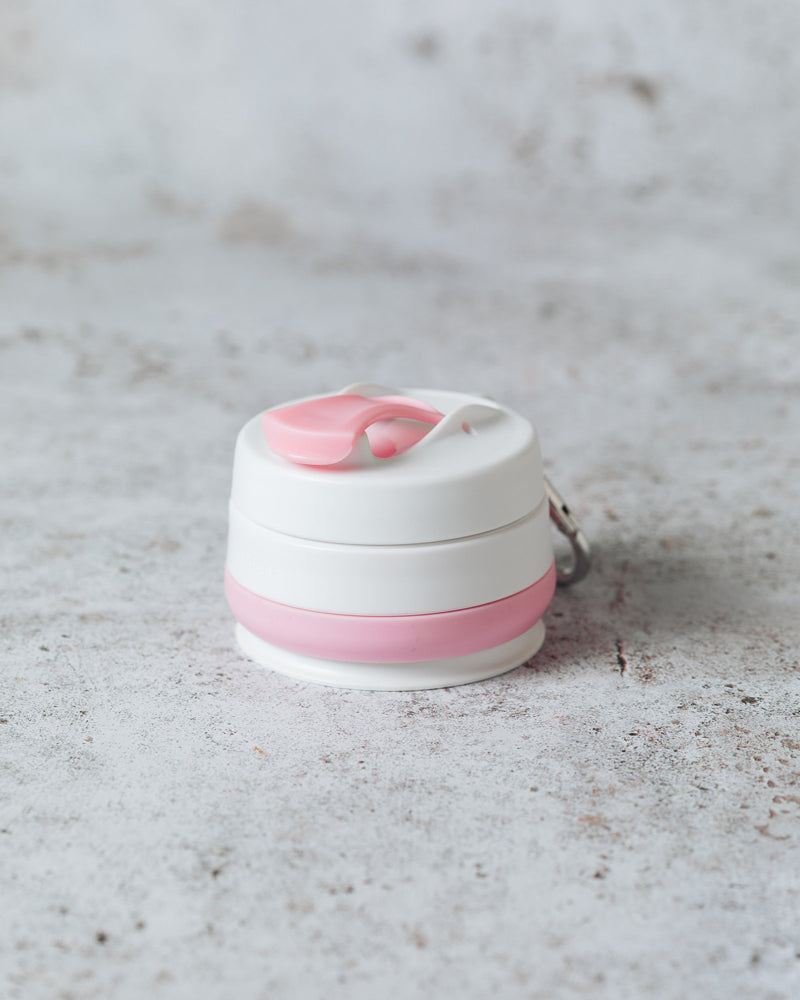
621,658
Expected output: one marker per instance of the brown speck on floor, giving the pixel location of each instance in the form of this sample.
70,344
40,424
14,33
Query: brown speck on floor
257,222
426,46
764,830
648,91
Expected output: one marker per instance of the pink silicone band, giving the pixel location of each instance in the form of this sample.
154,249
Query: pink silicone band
390,639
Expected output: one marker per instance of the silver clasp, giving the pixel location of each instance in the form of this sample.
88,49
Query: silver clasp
563,519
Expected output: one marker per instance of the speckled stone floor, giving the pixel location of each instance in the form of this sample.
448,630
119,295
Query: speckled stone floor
617,819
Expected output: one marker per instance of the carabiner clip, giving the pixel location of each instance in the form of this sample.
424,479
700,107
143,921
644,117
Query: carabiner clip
563,519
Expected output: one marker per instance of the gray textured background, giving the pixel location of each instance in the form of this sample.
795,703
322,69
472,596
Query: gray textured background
588,211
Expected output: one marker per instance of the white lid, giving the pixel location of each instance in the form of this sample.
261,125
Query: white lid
477,470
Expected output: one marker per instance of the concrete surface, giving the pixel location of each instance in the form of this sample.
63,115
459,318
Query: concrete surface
617,819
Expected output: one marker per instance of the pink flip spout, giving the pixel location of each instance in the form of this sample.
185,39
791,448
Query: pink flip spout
325,431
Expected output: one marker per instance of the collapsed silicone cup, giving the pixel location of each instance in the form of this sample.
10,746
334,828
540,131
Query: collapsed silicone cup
461,603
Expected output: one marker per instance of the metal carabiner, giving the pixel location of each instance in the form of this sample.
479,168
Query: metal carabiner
563,519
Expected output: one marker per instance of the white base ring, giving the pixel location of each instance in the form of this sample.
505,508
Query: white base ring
394,676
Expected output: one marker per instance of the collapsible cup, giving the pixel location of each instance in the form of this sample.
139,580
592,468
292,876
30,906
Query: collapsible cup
390,539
